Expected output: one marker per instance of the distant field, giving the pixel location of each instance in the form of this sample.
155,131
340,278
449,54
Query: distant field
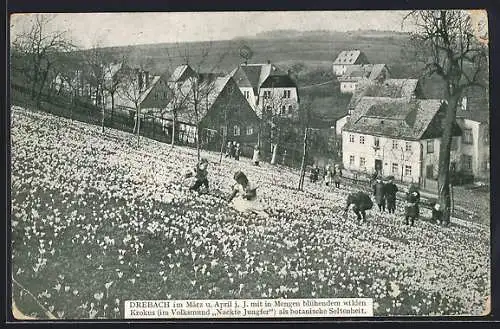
312,49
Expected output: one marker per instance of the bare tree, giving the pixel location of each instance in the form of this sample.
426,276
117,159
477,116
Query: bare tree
132,90
113,79
273,108
226,108
445,43
199,89
305,119
70,72
38,47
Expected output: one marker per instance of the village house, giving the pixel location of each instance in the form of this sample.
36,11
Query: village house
133,91
222,111
473,118
355,74
393,88
475,142
396,136
346,59
266,87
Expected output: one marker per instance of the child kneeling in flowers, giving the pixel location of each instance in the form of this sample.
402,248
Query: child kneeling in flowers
244,196
200,172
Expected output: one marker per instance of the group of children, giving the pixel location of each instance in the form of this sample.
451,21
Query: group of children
233,150
331,175
244,195
385,192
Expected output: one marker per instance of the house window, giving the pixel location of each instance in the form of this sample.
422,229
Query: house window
467,162
249,130
351,138
222,130
467,136
290,108
408,147
454,144
453,166
430,146
376,142
236,130
429,171
407,170
351,160
463,103
247,94
486,136
362,162
394,168
283,109
286,93
394,144
267,94
361,139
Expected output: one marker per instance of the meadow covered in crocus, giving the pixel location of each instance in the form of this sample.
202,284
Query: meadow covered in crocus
97,220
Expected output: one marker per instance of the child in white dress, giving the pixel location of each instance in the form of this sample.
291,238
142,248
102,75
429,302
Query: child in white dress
244,196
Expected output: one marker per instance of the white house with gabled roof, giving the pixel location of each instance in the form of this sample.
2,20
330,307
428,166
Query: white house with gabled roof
396,136
347,58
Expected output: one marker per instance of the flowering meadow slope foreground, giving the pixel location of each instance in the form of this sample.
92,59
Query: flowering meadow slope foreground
97,220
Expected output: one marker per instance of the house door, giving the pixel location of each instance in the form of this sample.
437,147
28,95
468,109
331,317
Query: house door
378,166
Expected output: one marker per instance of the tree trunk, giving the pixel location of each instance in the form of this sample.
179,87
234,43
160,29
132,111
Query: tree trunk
303,164
444,155
71,105
102,119
174,122
275,154
112,106
40,89
138,123
198,142
223,142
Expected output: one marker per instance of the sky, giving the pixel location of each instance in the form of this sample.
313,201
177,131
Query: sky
119,29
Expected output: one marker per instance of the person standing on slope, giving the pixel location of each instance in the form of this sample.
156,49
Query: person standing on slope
256,155
390,191
378,193
412,205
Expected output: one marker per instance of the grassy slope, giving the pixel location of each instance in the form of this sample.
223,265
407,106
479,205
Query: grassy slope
92,209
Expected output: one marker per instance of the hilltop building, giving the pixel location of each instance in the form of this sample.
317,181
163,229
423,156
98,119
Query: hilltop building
356,74
346,59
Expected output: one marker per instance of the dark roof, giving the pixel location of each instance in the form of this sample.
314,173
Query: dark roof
278,81
327,108
213,88
253,74
321,123
477,108
402,118
241,78
363,71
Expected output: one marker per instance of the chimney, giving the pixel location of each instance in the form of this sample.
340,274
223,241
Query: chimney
268,61
289,72
146,78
